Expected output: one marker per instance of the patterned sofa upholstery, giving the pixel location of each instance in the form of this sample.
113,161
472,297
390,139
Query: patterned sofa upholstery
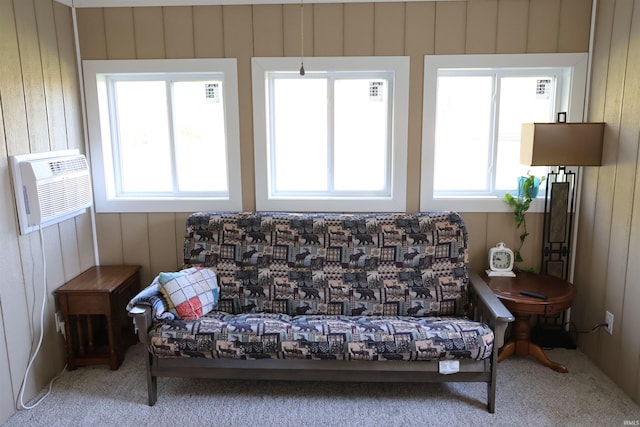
328,296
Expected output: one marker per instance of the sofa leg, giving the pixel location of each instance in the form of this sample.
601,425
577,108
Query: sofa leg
152,382
491,385
152,387
491,397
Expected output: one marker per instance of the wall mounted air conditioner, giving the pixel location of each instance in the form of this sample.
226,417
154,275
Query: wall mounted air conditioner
50,187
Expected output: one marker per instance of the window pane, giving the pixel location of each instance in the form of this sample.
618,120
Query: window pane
299,137
522,100
360,152
199,133
463,125
145,161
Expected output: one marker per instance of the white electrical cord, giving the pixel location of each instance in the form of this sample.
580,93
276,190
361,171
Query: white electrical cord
35,353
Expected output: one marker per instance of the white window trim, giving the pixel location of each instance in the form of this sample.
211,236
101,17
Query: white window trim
400,120
105,201
577,62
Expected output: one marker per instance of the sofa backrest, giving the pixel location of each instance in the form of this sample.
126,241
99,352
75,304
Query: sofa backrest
358,264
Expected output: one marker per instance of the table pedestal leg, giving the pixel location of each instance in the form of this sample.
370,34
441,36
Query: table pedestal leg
521,345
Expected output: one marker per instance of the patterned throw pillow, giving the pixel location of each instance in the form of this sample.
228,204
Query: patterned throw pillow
191,294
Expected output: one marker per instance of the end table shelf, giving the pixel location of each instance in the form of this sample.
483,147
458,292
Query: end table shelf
93,305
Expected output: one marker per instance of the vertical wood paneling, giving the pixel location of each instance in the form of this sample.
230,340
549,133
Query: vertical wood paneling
135,242
513,25
450,30
14,141
91,33
38,140
607,226
476,227
119,33
208,32
180,226
238,39
496,232
291,29
178,32
586,308
419,41
11,87
482,21
39,102
533,244
6,403
162,243
49,57
624,179
544,25
9,255
388,37
69,77
32,76
609,271
148,27
358,29
53,253
591,289
70,251
328,29
628,181
267,30
573,35
84,232
420,24
109,235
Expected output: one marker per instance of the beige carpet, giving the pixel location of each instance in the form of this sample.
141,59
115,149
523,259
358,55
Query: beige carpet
528,394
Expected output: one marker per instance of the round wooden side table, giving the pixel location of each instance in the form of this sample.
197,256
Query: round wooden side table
559,296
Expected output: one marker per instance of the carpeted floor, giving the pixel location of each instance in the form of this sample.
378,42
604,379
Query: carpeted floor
528,394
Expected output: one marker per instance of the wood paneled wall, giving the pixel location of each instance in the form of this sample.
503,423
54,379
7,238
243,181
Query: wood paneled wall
336,29
39,111
608,255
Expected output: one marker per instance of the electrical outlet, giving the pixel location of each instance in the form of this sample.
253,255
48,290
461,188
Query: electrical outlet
608,319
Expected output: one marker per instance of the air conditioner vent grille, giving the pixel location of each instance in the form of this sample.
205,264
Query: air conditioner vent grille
62,167
63,196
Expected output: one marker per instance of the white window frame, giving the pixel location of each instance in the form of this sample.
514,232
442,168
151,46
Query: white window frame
573,104
106,200
396,200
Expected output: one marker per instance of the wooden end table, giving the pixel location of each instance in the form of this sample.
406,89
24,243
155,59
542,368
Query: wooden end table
560,295
93,305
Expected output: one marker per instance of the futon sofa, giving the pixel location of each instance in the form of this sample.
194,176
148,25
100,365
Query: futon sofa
322,297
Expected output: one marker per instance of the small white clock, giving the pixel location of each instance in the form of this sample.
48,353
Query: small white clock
501,261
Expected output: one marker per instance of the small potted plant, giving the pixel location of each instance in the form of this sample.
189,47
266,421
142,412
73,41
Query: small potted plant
527,191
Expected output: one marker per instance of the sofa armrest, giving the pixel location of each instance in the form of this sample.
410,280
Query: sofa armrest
488,308
141,320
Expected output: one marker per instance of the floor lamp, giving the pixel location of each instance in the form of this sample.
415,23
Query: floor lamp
560,145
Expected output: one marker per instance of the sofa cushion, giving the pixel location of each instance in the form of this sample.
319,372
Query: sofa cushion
270,335
190,294
385,264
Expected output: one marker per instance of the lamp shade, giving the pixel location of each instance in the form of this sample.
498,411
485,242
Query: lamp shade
561,144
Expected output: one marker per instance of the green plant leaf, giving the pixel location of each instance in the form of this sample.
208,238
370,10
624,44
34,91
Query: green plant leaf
520,205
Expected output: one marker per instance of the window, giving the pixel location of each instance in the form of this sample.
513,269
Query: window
164,135
333,138
474,107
